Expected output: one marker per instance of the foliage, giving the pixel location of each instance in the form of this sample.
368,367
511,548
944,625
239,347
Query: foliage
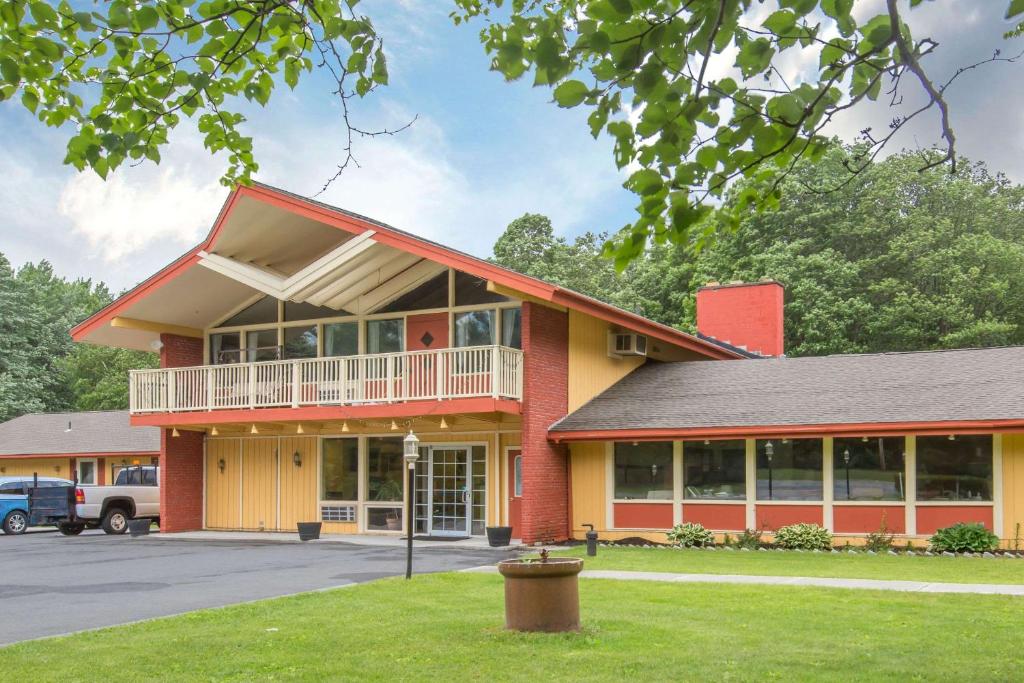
804,537
123,74
964,538
750,539
693,98
880,541
39,368
690,534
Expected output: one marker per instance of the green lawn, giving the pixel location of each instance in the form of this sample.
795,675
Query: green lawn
449,627
842,565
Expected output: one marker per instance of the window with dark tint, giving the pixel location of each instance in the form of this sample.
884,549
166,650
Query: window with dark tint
261,345
341,339
474,328
643,471
341,469
294,311
385,336
263,311
869,469
384,469
149,477
300,342
789,469
225,347
512,328
431,294
958,469
470,291
716,470
12,488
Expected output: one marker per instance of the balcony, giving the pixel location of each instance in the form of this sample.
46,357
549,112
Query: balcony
476,372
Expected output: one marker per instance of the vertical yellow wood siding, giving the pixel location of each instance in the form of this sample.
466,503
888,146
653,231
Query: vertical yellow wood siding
259,484
591,370
299,491
44,467
1013,490
588,485
223,488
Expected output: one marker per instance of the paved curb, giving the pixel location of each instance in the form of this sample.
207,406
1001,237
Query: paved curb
821,582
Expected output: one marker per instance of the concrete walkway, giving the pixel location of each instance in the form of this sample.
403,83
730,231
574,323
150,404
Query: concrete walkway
381,541
860,584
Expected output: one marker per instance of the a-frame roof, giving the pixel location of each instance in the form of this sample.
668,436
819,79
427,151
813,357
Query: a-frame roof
276,242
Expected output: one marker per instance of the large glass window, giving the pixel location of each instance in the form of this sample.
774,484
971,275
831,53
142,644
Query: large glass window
263,311
225,347
954,469
261,345
431,294
341,339
300,342
340,469
384,469
470,291
789,469
715,470
512,328
302,311
385,336
474,328
643,471
869,469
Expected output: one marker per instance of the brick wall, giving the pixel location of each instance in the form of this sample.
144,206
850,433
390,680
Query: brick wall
745,314
181,457
545,502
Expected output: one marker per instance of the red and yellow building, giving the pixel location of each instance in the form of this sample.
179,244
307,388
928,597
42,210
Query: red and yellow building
299,343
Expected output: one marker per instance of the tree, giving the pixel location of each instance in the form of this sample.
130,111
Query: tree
97,376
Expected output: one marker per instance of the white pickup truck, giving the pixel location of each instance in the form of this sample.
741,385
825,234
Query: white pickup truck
135,494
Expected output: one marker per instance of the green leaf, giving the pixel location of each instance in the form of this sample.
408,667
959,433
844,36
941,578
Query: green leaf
645,182
1016,7
571,93
146,17
10,71
780,23
754,57
30,100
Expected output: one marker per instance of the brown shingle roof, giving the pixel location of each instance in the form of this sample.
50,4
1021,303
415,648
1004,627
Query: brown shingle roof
930,386
91,432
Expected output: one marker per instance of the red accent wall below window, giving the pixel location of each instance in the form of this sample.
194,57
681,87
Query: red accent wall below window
717,517
773,517
643,516
931,519
857,519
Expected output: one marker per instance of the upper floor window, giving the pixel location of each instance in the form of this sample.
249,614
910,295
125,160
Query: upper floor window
470,291
341,339
512,327
261,345
385,336
225,347
474,328
300,342
431,294
263,311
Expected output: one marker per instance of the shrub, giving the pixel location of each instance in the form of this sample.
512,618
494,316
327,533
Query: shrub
749,539
804,537
880,541
690,534
964,538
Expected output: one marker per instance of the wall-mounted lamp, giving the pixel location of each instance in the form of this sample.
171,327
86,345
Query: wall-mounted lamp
394,426
299,429
444,424
214,432
254,430
3,470
952,437
344,426
174,432
297,459
221,464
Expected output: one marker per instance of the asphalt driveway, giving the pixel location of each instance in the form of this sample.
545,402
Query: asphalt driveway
51,584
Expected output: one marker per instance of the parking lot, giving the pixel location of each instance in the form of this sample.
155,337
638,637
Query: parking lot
51,584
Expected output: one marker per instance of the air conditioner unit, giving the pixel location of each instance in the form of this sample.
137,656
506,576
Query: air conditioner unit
621,344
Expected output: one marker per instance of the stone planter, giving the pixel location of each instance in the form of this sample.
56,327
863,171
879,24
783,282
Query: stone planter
542,595
309,531
498,536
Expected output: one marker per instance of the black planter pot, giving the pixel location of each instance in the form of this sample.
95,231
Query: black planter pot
498,536
309,531
139,527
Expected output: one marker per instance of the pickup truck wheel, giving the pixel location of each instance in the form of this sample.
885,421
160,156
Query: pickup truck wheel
71,529
115,521
16,523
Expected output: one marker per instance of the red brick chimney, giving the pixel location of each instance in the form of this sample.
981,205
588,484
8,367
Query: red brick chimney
744,314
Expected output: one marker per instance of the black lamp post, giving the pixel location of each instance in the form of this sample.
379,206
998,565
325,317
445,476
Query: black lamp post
846,461
411,455
769,451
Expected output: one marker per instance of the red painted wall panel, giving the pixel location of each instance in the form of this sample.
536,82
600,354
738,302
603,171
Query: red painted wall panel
748,315
181,457
772,517
930,519
857,519
717,517
642,515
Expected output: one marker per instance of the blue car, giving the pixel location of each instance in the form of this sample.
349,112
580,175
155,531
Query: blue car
14,509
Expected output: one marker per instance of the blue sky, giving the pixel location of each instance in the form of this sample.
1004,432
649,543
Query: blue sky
481,153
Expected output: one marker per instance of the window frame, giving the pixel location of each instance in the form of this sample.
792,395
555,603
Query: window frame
744,484
771,498
670,480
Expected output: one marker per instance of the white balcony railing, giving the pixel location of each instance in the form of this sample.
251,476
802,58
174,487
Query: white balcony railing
480,371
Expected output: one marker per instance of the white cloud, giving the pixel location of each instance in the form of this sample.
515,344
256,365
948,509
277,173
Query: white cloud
134,207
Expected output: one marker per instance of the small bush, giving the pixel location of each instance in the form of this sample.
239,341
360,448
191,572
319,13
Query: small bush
749,539
804,537
690,534
880,541
964,538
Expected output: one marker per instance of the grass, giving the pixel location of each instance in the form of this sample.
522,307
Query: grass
843,565
449,627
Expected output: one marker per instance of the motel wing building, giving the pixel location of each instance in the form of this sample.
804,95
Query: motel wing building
299,343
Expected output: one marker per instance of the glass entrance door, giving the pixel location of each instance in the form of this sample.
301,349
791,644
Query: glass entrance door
451,498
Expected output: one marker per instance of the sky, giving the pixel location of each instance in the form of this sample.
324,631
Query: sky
481,152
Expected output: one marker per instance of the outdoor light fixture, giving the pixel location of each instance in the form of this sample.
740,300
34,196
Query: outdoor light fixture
769,451
654,472
394,426
3,470
707,442
174,432
846,461
214,432
221,464
299,429
411,453
864,439
846,456
443,425
253,430
952,438
69,427
297,459
344,426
